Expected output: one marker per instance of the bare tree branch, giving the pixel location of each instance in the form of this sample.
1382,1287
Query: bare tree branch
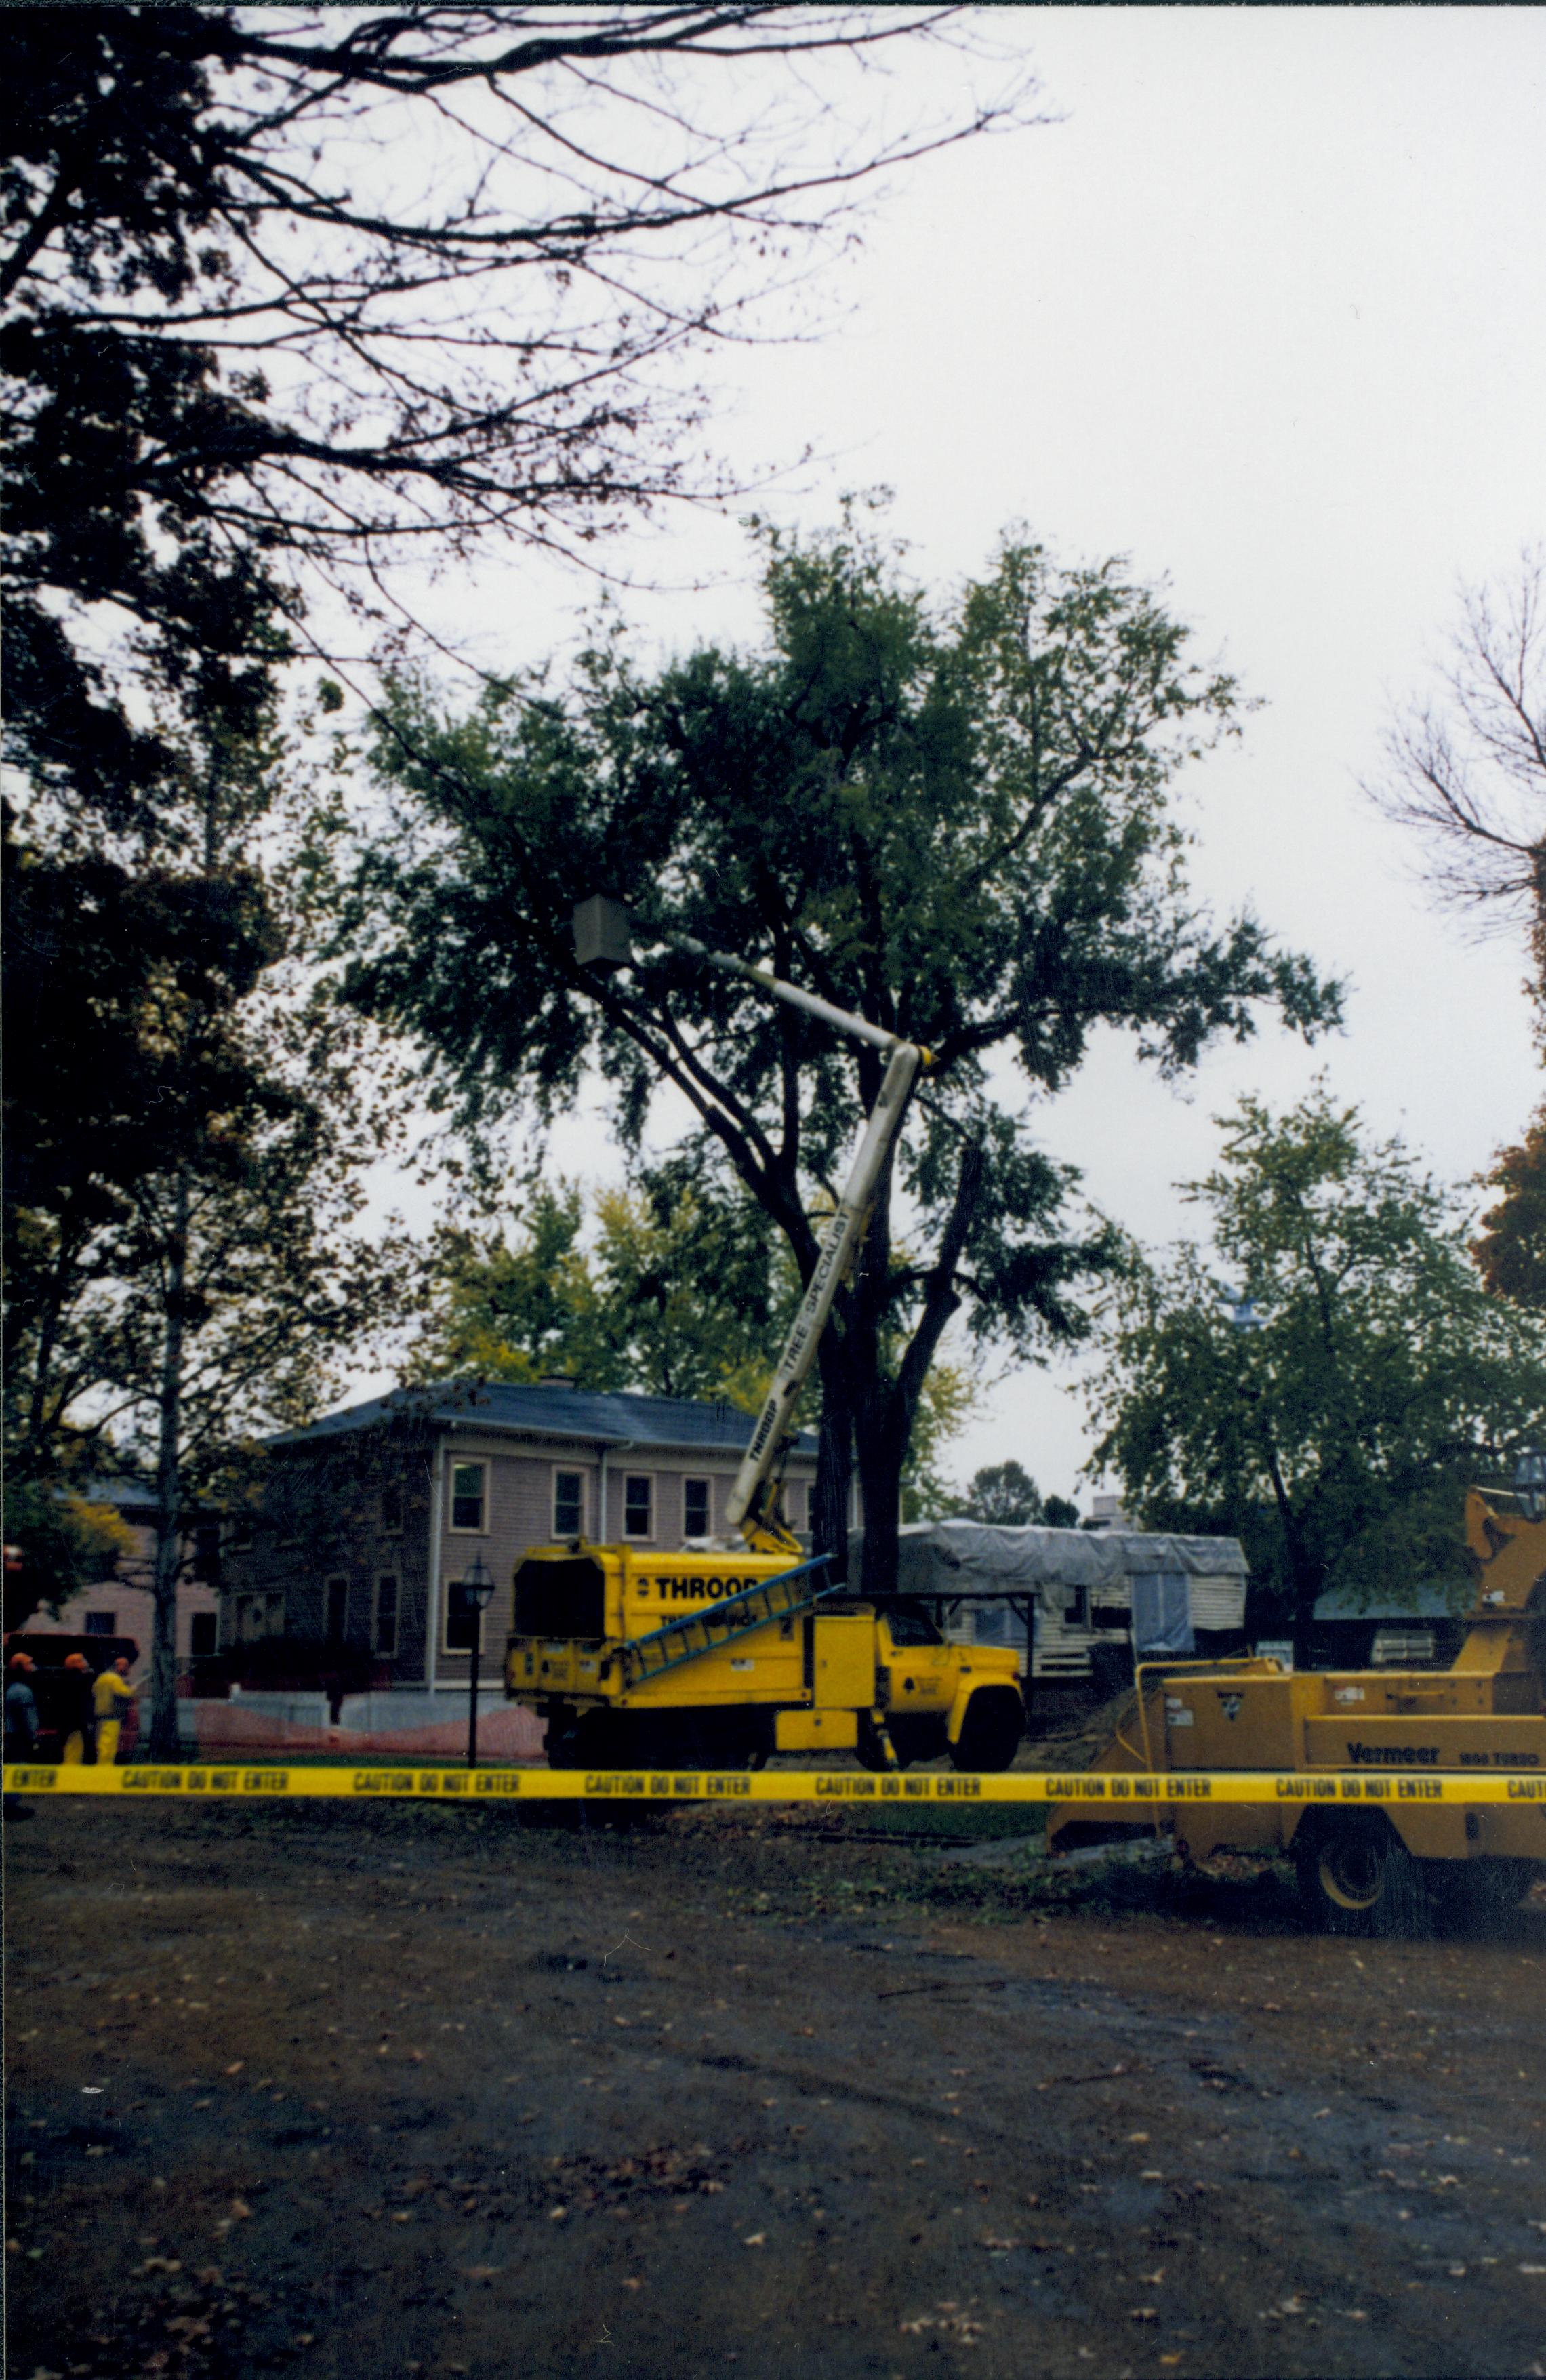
1466,772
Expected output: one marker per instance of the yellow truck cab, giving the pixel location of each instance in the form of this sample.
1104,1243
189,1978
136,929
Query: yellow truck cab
718,1659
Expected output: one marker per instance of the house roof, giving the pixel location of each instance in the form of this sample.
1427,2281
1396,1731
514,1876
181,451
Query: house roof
524,1411
126,1495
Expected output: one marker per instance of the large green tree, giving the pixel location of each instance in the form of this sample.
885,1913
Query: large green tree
1324,1376
238,1279
189,1143
956,818
286,300
1006,1497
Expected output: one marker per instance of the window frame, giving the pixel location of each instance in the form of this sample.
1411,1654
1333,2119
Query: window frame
465,1650
99,1623
269,1597
704,1481
639,1536
392,1579
567,1470
329,1580
478,1463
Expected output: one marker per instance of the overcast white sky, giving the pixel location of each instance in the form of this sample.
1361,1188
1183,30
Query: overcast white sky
1265,312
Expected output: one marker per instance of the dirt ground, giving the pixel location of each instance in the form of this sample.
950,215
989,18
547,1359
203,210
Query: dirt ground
361,2091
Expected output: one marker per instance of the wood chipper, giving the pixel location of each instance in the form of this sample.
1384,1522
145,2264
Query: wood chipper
719,1655
1363,1869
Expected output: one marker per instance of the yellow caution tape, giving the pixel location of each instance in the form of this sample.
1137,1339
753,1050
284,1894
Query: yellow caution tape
1128,1795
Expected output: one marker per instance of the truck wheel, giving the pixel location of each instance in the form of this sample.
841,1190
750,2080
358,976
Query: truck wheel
1355,1878
591,1740
990,1732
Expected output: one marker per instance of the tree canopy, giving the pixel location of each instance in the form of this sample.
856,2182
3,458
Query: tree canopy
1327,1375
287,295
1005,1496
284,292
670,1294
666,1289
955,818
186,1145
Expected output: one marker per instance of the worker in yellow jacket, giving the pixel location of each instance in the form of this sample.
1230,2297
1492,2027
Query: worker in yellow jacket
112,1691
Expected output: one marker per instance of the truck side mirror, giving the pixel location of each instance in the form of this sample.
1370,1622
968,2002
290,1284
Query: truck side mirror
603,933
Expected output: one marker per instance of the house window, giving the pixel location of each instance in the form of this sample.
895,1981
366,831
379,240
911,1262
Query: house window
391,1512
258,1615
101,1623
386,1616
695,1508
1076,1610
569,1504
637,1499
338,1610
467,1497
464,1621
201,1634
797,1503
206,1552
242,1532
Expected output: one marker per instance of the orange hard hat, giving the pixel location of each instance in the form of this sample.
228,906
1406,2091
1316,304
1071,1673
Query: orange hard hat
22,1661
76,1661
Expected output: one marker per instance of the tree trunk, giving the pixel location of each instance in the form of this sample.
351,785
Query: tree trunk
834,1478
1306,1576
885,1411
164,1741
882,1449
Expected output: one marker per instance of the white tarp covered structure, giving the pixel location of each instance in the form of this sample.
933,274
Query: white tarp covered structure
955,1558
1124,1589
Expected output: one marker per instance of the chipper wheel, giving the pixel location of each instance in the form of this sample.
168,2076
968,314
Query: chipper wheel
1356,1877
990,1732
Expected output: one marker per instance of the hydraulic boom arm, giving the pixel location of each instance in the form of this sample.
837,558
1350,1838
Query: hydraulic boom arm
601,936
840,1245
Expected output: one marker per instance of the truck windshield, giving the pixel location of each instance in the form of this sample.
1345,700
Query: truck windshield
561,1598
909,1625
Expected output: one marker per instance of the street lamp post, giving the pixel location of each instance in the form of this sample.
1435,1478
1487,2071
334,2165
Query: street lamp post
477,1586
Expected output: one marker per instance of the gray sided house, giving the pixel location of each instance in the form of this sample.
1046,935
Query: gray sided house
370,1519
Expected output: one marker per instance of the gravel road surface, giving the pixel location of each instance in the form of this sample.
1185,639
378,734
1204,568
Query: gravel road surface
356,2092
